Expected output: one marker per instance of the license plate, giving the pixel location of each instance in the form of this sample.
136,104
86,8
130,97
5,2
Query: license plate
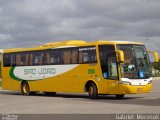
139,89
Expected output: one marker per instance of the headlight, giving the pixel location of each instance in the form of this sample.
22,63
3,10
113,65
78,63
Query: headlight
125,82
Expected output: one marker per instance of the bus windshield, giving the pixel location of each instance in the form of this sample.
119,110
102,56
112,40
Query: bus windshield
136,64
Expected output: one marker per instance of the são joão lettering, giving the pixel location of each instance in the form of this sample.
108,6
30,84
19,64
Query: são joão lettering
39,71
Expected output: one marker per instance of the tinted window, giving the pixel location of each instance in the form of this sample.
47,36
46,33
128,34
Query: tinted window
108,61
22,59
87,55
37,58
52,57
9,59
70,56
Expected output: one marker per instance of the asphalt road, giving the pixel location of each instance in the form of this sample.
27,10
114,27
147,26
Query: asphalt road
13,102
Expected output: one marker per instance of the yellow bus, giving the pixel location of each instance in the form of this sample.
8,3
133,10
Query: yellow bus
99,68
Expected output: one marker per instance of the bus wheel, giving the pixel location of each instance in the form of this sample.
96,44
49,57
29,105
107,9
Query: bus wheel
93,93
120,96
25,89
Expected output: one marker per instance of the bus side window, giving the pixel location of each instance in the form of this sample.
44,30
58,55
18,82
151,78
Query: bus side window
47,60
74,56
7,60
80,57
21,59
13,59
87,56
66,56
53,57
27,59
41,58
18,60
37,58
31,59
69,56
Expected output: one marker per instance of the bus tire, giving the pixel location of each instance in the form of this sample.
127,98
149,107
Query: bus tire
92,91
120,96
25,89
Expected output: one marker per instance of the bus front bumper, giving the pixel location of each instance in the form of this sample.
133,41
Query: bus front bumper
130,89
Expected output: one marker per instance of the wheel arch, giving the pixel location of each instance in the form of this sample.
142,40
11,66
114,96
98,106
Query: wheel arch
88,83
23,81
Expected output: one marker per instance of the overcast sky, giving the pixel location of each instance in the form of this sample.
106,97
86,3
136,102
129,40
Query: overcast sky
27,23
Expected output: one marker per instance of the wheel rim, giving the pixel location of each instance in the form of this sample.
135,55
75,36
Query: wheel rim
91,91
25,88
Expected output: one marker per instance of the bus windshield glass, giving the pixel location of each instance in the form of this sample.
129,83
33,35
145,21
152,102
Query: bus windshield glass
136,64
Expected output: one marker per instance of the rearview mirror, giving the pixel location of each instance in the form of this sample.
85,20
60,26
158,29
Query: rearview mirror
120,54
156,58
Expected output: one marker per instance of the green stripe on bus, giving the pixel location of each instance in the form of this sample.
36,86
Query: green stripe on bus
11,73
91,71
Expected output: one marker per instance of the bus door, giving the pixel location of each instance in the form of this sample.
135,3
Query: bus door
109,67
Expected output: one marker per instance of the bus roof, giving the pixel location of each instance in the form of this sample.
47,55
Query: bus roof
68,43
116,42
